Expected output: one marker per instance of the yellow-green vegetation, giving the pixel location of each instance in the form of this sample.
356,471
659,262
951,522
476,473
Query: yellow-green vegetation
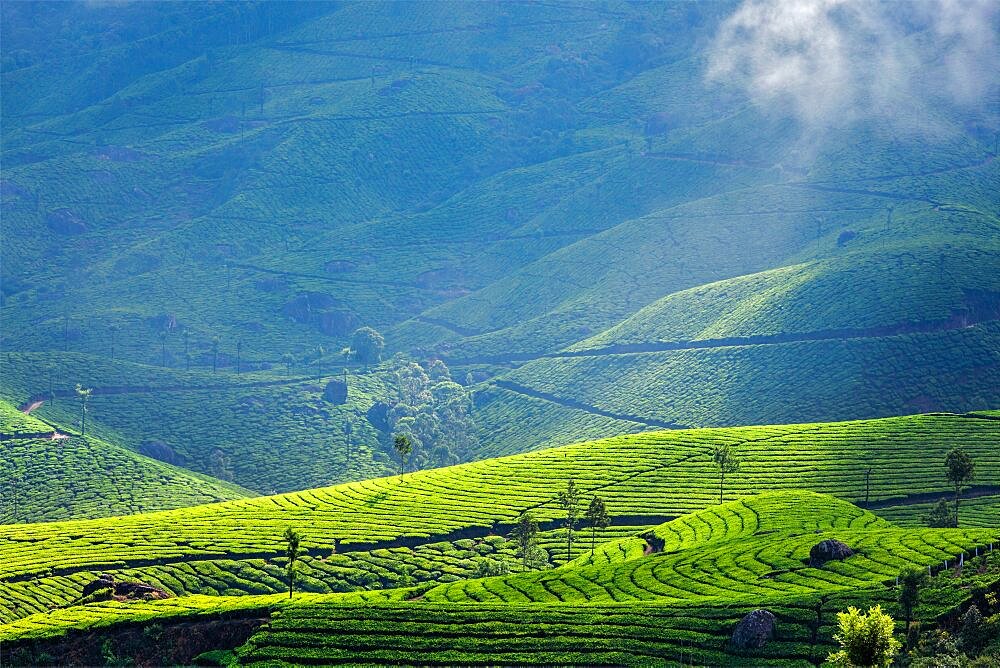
237,546
684,593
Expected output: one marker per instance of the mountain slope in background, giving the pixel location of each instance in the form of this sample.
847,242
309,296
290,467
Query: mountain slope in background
555,199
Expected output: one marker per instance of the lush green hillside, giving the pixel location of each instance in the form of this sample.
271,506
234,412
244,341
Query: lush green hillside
51,476
646,478
493,184
696,577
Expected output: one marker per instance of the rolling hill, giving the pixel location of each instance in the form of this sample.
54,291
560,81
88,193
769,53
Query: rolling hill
553,198
396,566
49,476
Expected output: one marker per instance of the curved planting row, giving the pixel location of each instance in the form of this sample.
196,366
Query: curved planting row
643,475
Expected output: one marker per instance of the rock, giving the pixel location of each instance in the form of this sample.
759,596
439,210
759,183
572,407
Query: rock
828,550
754,630
103,581
335,392
305,304
64,221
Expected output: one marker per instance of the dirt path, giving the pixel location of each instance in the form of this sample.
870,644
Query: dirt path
31,405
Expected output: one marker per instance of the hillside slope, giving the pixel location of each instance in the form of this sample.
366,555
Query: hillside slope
645,478
49,476
495,185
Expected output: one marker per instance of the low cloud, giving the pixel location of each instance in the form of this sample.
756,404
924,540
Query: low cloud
831,63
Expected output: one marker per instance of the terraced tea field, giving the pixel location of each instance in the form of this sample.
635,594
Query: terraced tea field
677,591
645,479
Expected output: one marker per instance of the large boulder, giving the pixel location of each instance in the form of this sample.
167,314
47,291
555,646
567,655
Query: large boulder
754,630
828,550
335,392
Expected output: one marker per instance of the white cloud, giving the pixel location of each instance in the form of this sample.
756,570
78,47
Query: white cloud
830,63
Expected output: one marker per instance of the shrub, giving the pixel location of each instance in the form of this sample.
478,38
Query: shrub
865,639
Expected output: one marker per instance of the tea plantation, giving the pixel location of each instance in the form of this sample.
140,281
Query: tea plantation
46,478
681,595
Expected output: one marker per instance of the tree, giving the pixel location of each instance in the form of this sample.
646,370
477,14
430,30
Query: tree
941,516
83,393
526,534
348,430
239,352
727,462
288,360
960,470
403,446
570,500
163,347
910,582
292,542
367,345
113,329
597,515
865,639
974,633
346,354
215,353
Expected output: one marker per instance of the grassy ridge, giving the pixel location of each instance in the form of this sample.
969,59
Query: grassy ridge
652,475
618,605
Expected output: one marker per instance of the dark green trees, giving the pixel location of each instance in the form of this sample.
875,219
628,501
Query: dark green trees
597,515
526,534
292,545
367,345
910,582
961,469
727,462
570,502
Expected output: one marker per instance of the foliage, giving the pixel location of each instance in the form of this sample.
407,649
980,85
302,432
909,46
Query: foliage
910,582
597,516
960,469
942,516
866,638
367,345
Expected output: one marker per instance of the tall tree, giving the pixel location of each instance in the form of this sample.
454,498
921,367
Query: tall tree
960,469
113,329
403,446
239,353
727,462
215,353
83,393
597,515
570,502
288,360
163,347
910,582
367,345
526,534
292,544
